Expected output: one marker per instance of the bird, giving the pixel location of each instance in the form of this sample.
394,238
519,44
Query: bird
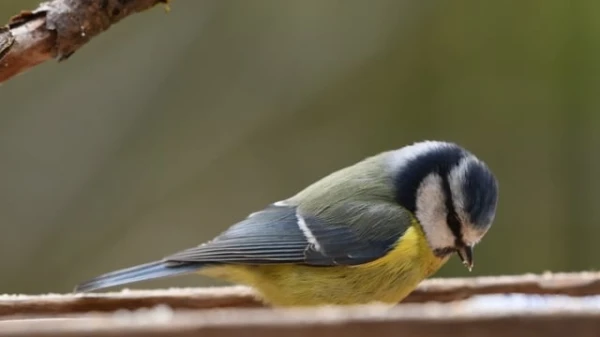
366,233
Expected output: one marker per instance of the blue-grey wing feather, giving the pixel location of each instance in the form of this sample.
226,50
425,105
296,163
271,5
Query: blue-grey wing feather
274,236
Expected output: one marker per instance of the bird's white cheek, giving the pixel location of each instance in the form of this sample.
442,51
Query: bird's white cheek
431,212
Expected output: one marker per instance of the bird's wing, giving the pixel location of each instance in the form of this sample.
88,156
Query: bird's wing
349,234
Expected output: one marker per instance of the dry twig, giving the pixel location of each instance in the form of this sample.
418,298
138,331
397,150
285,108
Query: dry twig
438,290
57,28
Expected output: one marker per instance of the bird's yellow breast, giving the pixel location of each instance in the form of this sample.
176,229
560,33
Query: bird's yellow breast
388,279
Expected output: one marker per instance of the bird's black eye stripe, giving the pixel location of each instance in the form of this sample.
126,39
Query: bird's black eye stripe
452,216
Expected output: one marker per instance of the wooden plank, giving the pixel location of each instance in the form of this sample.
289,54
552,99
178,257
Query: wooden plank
466,319
439,290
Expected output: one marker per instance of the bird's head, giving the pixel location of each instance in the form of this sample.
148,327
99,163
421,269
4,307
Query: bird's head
452,194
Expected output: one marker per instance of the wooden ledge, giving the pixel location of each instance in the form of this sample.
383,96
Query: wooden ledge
438,290
493,316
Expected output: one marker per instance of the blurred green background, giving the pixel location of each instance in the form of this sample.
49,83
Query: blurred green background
167,128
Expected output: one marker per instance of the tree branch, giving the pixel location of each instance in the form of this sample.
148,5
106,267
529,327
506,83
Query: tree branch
438,290
58,28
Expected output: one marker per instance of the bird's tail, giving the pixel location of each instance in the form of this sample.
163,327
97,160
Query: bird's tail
148,271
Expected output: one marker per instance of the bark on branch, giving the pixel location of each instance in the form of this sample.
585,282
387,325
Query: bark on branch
438,290
58,28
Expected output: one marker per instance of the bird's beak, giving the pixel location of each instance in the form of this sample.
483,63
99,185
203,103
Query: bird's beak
466,256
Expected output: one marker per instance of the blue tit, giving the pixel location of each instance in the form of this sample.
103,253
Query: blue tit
370,232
